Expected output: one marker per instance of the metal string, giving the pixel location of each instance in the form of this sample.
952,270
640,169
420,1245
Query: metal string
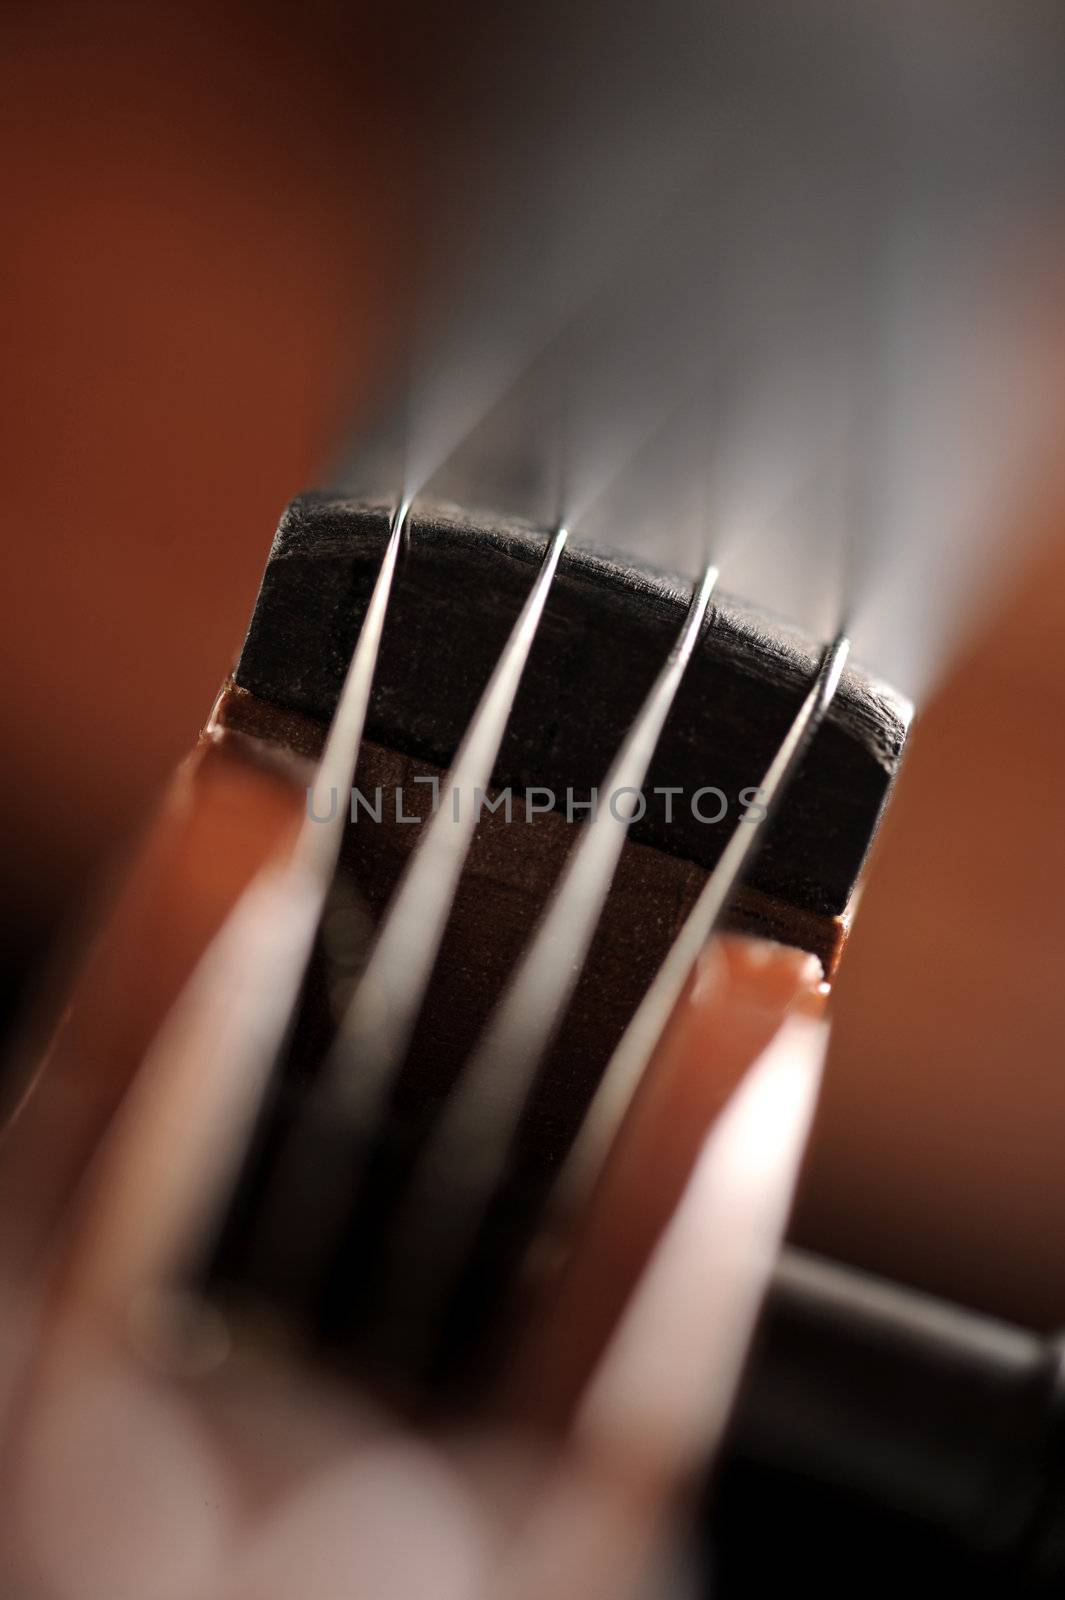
239,1004
627,1065
318,846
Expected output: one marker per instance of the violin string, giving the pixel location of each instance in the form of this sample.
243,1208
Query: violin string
239,1004
371,1041
318,845
627,1065
467,1149
313,863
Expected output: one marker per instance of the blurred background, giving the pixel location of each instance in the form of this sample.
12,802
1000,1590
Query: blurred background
225,224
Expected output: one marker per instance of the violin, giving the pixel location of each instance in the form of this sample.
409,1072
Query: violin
439,1080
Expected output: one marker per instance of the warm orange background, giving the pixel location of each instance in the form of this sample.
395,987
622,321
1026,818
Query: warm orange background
204,226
